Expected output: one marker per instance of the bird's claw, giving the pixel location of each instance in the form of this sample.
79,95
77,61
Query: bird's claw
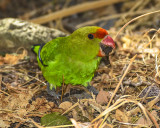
52,92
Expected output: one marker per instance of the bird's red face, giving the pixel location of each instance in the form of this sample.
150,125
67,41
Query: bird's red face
107,42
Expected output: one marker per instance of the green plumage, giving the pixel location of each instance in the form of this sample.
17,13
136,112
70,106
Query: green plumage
72,58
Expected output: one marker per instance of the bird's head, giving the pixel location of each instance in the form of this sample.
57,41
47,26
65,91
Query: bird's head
93,40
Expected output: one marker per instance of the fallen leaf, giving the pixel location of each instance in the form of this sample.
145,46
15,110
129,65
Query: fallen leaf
4,124
103,97
54,119
121,116
144,121
65,105
22,112
12,58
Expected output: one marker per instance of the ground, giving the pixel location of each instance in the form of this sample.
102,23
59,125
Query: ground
129,87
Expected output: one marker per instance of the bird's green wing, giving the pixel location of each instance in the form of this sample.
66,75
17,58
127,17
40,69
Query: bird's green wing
51,49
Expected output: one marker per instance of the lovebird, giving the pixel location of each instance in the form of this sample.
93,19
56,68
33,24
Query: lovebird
73,59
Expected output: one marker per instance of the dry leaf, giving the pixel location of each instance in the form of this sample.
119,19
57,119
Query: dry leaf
4,124
103,97
127,41
121,116
12,58
144,121
65,105
22,112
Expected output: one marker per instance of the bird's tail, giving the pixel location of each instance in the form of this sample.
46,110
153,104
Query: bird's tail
35,48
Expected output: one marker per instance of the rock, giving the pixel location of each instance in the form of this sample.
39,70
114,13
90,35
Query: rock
15,33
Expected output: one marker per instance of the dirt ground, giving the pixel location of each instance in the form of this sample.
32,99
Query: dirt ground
128,85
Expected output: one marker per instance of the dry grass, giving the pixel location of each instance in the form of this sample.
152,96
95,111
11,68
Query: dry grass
133,79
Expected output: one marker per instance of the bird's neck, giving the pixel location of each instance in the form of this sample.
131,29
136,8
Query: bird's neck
81,51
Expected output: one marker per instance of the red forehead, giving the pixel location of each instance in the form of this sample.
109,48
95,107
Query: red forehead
101,33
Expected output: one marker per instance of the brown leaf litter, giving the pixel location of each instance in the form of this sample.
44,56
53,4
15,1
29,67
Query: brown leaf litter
138,92
12,58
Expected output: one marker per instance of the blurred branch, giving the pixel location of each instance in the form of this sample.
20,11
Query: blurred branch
91,22
73,10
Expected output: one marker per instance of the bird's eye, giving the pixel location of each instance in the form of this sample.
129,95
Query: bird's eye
90,36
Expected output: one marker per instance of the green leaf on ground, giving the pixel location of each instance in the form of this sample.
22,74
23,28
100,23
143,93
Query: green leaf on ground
54,119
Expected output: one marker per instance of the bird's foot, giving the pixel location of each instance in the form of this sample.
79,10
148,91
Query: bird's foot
92,89
52,92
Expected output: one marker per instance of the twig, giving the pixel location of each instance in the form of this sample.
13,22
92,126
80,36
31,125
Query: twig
135,20
35,123
91,22
73,10
37,79
4,92
60,126
115,91
152,119
121,102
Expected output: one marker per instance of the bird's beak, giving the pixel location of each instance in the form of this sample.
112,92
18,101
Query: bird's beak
106,46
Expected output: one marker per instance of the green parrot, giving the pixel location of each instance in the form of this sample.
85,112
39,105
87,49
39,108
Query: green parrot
73,59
